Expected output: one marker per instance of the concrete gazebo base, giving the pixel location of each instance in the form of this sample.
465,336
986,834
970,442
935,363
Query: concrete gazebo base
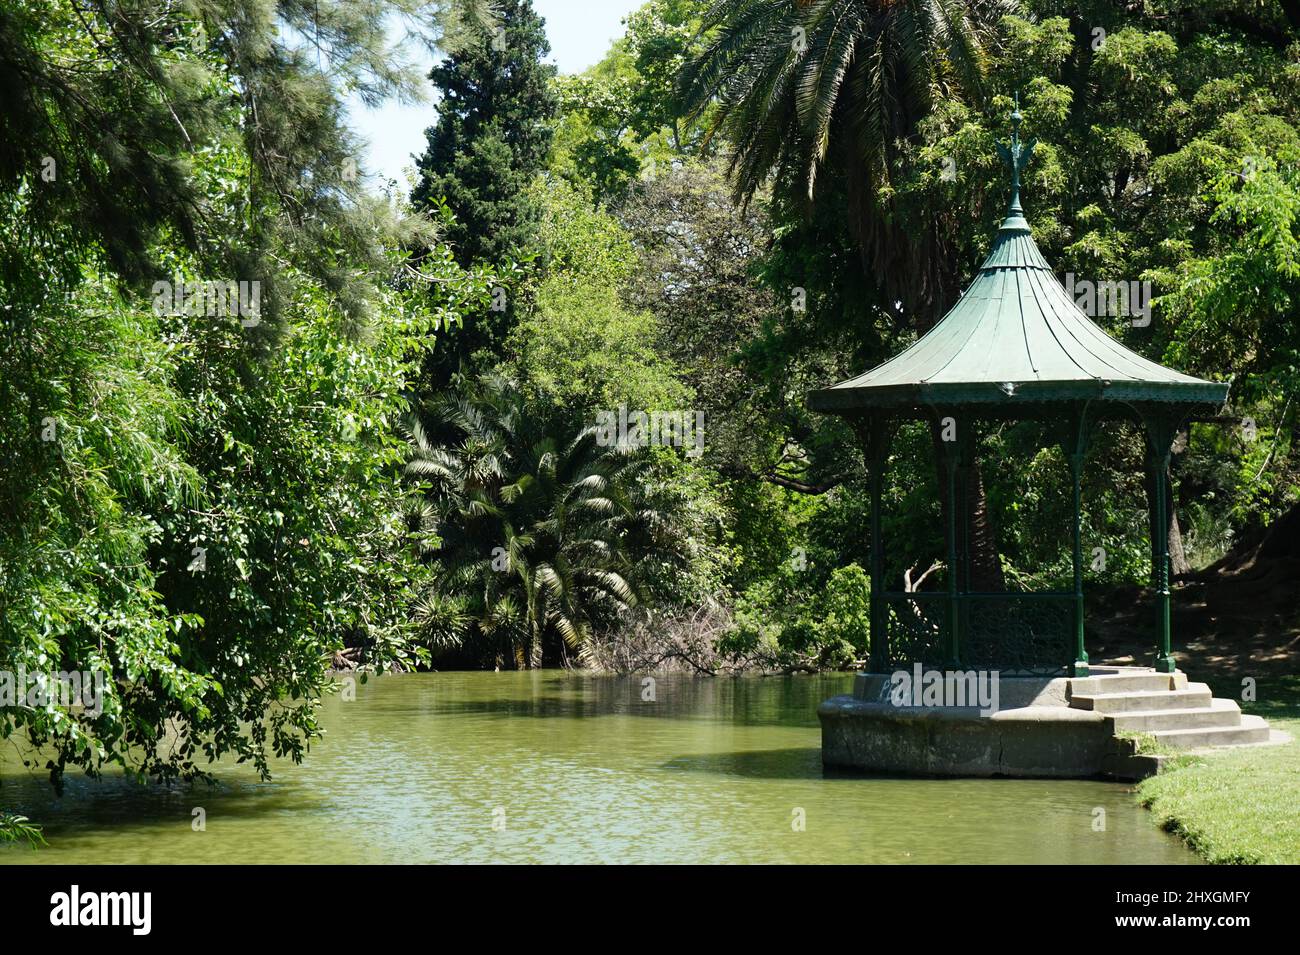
1059,727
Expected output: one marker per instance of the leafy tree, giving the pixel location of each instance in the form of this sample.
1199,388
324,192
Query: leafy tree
204,508
594,143
662,37
491,138
1236,311
699,262
580,349
578,241
109,110
787,626
583,352
622,116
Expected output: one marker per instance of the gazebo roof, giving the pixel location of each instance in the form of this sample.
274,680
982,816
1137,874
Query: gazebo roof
1014,337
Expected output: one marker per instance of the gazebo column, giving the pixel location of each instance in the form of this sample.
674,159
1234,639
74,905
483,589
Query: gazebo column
1080,665
952,456
966,448
874,432
1160,431
1075,446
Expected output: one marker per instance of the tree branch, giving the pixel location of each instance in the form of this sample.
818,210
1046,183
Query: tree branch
780,480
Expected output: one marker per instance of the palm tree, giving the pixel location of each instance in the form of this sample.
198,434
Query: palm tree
839,85
532,534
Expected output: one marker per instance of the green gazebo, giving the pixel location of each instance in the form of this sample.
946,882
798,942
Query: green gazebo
1015,346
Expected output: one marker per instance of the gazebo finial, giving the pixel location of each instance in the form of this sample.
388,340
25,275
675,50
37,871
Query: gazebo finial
1016,155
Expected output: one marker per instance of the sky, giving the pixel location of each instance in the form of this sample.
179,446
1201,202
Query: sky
580,32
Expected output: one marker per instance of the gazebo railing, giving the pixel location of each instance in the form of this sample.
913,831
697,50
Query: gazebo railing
1017,632
1012,632
917,629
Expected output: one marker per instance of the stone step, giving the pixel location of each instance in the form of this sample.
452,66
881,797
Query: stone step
1132,767
1195,696
1220,713
1253,729
1140,681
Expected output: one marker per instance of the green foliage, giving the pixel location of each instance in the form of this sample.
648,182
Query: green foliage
662,37
582,351
698,256
492,136
844,616
622,117
578,242
1235,309
203,508
825,627
594,147
89,440
14,828
127,101
691,561
1234,312
579,349
302,524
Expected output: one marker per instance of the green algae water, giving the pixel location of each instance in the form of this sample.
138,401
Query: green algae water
560,767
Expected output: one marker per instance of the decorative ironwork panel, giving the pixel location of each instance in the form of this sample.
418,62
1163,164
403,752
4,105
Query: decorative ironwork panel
1008,632
1026,632
916,627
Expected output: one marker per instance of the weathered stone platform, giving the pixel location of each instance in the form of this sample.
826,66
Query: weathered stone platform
1045,727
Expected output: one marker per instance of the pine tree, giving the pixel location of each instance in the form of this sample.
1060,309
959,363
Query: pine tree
492,136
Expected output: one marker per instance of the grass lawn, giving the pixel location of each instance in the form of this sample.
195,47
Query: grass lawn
1239,806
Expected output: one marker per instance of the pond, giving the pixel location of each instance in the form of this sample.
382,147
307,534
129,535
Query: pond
554,766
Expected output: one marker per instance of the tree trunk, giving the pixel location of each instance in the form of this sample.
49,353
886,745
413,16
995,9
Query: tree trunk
985,565
975,529
1178,564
